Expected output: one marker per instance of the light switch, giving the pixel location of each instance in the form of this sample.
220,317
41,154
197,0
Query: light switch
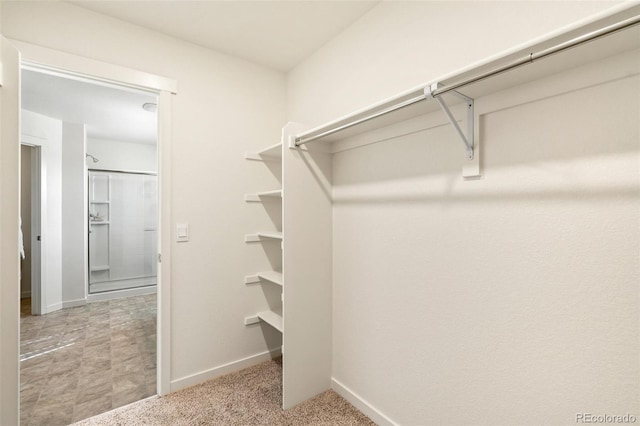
182,233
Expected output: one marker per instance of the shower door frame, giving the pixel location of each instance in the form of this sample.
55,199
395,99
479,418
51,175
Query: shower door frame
98,72
134,290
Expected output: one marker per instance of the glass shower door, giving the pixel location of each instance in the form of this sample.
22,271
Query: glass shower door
122,230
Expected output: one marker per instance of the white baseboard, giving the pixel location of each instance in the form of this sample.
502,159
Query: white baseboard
221,370
53,308
362,405
74,303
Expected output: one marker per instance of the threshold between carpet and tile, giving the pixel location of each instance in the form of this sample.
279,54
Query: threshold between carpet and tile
252,396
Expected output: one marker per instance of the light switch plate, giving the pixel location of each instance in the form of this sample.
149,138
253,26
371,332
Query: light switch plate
182,232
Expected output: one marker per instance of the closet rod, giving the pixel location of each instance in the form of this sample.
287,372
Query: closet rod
528,59
396,107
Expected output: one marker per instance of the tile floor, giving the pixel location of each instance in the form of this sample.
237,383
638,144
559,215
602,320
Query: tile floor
86,360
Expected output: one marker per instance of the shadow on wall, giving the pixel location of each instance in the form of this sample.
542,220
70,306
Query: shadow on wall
533,138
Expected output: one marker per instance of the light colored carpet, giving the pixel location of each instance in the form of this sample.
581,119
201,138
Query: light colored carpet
248,397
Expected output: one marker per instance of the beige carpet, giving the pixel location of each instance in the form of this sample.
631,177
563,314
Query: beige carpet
249,397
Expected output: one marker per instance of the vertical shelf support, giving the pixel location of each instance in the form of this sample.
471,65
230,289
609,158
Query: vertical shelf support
467,139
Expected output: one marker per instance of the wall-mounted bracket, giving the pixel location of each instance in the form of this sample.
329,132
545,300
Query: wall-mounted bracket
430,92
289,132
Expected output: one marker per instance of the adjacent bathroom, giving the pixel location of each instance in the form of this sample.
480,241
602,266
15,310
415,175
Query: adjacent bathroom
123,215
89,212
94,214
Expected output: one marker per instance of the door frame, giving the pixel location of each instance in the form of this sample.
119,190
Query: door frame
9,219
97,72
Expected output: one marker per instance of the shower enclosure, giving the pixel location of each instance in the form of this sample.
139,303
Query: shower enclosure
123,214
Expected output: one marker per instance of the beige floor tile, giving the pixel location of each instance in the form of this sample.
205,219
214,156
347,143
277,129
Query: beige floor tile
100,378
129,395
34,374
85,360
98,404
92,391
51,415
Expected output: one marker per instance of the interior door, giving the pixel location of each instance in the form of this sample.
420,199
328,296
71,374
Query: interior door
37,280
9,258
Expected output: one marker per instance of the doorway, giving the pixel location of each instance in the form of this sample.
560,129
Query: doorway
86,354
15,54
30,237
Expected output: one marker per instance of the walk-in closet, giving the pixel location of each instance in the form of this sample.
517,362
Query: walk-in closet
324,213
357,195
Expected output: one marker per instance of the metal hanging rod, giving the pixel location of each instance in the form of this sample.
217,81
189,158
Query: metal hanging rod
528,59
301,140
532,57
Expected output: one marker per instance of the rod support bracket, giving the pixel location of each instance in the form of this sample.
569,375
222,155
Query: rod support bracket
431,92
294,142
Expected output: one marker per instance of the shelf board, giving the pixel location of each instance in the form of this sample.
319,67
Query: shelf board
257,197
100,202
617,43
272,153
104,222
259,236
273,318
271,276
275,235
100,268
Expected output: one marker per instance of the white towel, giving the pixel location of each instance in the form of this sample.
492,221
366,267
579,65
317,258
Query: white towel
21,240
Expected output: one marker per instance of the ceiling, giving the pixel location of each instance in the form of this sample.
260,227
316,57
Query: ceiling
276,34
107,112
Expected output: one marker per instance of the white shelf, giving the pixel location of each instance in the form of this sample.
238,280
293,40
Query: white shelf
273,318
99,268
252,238
104,222
271,276
100,202
619,42
273,235
273,153
257,197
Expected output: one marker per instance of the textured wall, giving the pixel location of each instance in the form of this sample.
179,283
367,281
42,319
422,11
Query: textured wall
512,299
223,108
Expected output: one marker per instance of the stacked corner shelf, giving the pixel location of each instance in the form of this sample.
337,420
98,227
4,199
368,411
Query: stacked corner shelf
99,228
307,182
258,197
305,310
272,317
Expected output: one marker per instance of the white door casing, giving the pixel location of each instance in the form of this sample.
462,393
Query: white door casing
52,61
9,213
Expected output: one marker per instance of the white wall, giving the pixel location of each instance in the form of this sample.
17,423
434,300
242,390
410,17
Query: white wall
224,107
73,214
399,45
25,214
512,299
117,155
46,132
